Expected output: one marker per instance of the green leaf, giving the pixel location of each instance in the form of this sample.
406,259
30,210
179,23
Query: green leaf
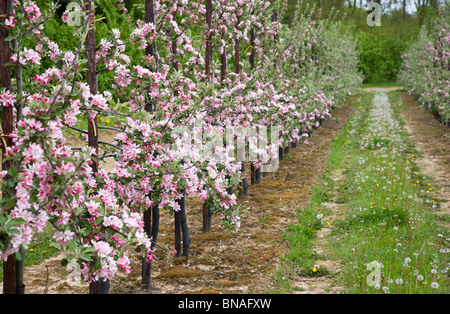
64,262
16,222
12,172
182,183
13,231
18,256
56,245
99,221
98,265
10,204
86,257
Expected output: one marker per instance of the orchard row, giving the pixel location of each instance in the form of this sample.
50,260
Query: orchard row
229,64
426,70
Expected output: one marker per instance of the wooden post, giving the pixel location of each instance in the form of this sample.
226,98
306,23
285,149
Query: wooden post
223,59
150,50
181,228
146,268
243,186
92,82
7,123
177,245
151,227
152,214
208,56
99,287
180,220
207,213
237,67
255,173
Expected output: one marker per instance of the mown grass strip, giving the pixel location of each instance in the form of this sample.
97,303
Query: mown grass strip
388,241
301,258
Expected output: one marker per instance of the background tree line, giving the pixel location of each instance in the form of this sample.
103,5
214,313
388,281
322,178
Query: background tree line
381,47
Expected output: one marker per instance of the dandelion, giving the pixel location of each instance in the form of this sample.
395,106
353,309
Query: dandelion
315,269
434,285
420,278
398,281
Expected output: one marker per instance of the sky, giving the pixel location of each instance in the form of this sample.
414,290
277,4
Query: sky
410,5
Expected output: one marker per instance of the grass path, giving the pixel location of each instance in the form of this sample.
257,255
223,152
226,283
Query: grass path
371,225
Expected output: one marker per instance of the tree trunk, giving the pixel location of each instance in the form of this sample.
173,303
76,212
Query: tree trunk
243,186
99,287
255,176
223,59
181,228
208,56
152,214
9,266
151,49
207,213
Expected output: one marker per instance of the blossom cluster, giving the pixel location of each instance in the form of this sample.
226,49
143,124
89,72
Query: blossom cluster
293,84
426,69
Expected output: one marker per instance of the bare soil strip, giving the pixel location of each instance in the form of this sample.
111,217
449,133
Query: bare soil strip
323,284
432,139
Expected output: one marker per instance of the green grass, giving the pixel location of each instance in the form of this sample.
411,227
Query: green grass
39,250
389,218
380,84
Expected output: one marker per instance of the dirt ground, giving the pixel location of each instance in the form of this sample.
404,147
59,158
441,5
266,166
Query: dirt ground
220,262
432,139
